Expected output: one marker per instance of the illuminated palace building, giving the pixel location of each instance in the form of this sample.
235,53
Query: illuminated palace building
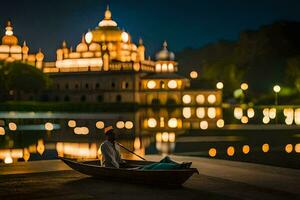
107,67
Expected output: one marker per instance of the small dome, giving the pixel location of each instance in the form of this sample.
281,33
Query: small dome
94,47
165,54
39,56
9,40
82,47
107,21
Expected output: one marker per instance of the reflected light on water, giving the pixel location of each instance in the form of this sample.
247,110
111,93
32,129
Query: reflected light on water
77,150
187,112
238,113
297,148
26,154
165,137
158,137
265,148
246,149
100,124
200,112
49,126
244,120
152,123
128,124
289,148
120,124
40,147
266,119
211,112
72,123
81,130
204,125
172,123
272,113
230,151
220,123
12,126
250,112
212,152
2,131
8,160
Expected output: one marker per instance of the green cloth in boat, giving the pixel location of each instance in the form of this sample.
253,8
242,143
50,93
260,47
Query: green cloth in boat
164,164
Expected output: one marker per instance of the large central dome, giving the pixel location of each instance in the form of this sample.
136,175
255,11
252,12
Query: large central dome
107,31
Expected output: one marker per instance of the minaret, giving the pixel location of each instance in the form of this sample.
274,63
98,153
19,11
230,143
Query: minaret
141,50
25,51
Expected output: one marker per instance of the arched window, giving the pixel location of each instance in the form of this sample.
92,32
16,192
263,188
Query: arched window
87,86
97,85
113,85
162,84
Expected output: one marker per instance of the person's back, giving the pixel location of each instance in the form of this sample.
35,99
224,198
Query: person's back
110,150
110,154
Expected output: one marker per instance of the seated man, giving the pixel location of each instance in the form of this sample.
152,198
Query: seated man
110,150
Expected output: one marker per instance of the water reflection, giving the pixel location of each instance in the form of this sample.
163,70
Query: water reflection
235,134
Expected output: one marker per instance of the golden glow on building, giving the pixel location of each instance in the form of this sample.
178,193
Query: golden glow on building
204,125
49,126
250,112
120,124
194,74
81,130
289,148
219,85
11,51
100,124
244,120
2,131
152,123
200,99
12,126
211,99
220,123
186,99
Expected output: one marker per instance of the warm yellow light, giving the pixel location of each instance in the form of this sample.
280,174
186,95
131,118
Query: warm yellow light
220,123
250,112
200,99
125,37
72,123
81,130
158,67
272,113
246,149
297,148
266,120
128,124
187,112
88,37
100,124
244,120
276,88
200,112
230,151
204,125
158,137
289,120
49,126
152,122
194,74
266,112
289,148
244,86
288,112
172,123
186,99
137,143
151,84
219,85
165,137
211,99
211,112
238,113
212,152
120,124
297,116
265,148
172,84
172,137
8,160
12,126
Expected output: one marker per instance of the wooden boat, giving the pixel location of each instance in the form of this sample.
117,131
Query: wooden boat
169,178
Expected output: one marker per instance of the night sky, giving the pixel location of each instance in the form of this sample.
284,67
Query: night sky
185,23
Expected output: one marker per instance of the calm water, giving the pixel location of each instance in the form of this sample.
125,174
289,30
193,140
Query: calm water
229,134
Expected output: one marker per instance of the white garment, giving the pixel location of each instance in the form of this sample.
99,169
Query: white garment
110,155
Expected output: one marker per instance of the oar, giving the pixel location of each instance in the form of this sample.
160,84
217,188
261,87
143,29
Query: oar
131,151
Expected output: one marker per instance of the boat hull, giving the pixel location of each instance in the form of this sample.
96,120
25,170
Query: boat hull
168,178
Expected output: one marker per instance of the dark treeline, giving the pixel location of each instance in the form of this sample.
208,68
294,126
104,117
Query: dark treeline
262,58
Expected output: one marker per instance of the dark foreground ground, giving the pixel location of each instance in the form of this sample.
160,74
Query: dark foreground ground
217,180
